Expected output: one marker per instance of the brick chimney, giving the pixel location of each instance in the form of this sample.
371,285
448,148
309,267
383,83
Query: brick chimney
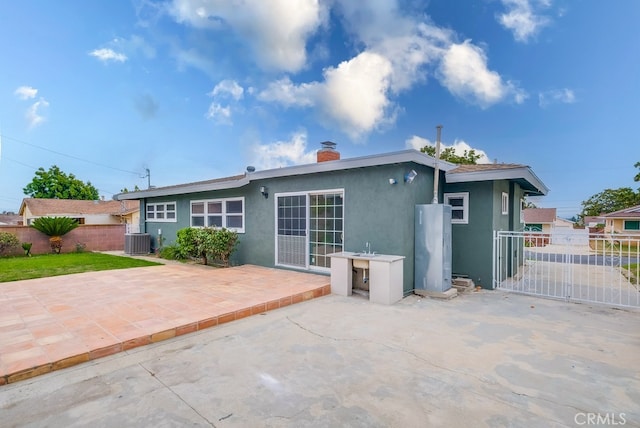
328,152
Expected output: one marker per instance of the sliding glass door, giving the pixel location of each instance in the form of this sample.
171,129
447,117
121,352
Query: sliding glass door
309,226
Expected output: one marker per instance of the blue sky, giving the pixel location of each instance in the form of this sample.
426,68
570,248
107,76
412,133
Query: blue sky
196,89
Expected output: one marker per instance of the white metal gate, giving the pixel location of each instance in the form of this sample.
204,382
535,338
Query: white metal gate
601,269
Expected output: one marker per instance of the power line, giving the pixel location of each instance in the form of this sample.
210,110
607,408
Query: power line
67,155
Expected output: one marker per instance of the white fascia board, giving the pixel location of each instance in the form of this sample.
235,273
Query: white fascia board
524,173
337,165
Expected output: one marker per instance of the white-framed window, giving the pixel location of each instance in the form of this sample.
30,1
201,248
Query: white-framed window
162,212
505,203
227,213
459,207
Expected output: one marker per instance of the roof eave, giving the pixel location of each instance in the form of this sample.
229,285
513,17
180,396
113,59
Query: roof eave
337,165
186,188
536,188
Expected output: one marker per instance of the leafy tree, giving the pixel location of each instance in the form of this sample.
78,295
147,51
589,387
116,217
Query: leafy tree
469,157
55,184
55,228
637,177
610,200
125,190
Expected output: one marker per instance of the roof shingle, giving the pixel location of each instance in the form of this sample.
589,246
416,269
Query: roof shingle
53,207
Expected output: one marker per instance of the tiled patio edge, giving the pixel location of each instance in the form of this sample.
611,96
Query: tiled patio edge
163,335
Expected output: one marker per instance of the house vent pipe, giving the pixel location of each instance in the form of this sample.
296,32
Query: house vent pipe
436,174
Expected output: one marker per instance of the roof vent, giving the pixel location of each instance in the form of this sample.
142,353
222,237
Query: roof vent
251,168
328,152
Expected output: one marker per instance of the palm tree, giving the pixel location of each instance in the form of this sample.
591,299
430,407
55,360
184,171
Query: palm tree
55,228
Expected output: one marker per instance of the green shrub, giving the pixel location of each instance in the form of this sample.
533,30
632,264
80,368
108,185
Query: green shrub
8,242
55,228
172,252
224,244
26,246
207,243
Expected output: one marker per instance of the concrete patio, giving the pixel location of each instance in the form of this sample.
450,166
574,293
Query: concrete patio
51,323
485,359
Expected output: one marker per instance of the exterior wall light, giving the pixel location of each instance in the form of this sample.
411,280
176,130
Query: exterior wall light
264,191
410,176
392,181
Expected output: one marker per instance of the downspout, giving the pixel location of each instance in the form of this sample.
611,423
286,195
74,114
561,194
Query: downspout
143,214
436,174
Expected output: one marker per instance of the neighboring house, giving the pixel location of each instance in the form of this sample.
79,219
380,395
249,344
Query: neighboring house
562,224
539,219
84,212
592,222
626,221
555,230
10,220
292,217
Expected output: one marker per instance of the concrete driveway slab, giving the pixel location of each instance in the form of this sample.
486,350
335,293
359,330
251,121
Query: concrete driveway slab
483,359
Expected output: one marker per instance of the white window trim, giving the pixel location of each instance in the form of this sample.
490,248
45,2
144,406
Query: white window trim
165,219
307,194
223,201
465,206
505,203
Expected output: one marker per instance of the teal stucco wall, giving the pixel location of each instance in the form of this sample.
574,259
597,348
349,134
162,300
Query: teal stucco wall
375,211
472,243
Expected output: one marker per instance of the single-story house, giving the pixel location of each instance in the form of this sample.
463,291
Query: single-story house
539,219
562,224
84,212
292,217
626,221
592,222
10,220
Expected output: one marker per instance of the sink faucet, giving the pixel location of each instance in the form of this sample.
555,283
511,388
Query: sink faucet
367,247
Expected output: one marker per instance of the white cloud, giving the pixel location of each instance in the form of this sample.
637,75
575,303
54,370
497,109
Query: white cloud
464,72
223,91
228,88
34,113
407,42
26,92
417,143
522,17
192,58
352,95
459,147
219,113
565,96
106,55
285,92
394,49
355,93
132,46
283,153
276,30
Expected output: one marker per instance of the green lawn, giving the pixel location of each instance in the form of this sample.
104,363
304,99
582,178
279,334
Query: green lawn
17,268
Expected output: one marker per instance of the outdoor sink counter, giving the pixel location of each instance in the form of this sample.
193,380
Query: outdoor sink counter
385,274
